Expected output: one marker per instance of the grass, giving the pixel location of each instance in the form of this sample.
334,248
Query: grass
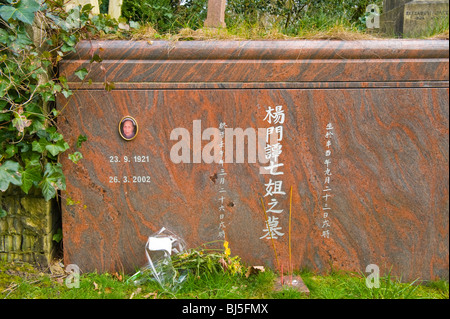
347,285
309,28
21,280
335,32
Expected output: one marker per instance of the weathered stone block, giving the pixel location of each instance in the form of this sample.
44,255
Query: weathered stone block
16,243
392,4
3,226
413,18
27,242
26,231
7,243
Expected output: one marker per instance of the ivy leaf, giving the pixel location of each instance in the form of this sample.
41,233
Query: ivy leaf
4,86
70,40
81,73
9,173
58,236
21,122
75,157
66,93
40,146
54,179
31,175
87,8
4,36
66,48
80,140
22,39
63,80
50,134
6,12
55,137
134,25
30,158
48,190
11,150
3,103
58,21
57,148
24,11
73,19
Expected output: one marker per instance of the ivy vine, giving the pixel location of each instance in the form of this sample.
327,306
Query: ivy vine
34,36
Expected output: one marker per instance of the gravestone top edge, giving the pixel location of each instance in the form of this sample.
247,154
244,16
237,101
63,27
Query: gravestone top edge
262,50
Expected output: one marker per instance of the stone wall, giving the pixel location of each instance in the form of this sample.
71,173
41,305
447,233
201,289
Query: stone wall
27,229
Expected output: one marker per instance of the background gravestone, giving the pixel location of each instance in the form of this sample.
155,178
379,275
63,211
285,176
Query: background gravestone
365,148
413,18
216,14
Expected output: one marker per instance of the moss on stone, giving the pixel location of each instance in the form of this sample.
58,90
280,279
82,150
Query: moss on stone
26,231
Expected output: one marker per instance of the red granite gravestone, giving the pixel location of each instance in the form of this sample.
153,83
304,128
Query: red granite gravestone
359,131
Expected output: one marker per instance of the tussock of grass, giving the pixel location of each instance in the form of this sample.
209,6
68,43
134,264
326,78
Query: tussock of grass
440,36
337,32
204,34
318,28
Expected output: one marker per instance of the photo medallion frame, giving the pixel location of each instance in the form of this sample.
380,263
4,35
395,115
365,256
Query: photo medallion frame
128,128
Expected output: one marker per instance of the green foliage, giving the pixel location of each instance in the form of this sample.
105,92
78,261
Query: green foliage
291,16
208,261
22,280
157,12
350,285
9,173
173,271
166,15
191,14
34,36
23,11
58,236
288,16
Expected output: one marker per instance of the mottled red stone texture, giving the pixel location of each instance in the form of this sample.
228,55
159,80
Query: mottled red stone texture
387,101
